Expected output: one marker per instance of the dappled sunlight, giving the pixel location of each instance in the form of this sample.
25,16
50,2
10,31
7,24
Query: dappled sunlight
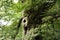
3,22
15,1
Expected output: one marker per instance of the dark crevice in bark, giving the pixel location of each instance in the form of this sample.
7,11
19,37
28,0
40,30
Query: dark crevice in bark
17,29
39,37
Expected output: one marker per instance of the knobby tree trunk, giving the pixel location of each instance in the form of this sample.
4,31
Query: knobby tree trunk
32,21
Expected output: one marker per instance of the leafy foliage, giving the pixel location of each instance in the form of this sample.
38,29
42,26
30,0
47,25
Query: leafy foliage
11,13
